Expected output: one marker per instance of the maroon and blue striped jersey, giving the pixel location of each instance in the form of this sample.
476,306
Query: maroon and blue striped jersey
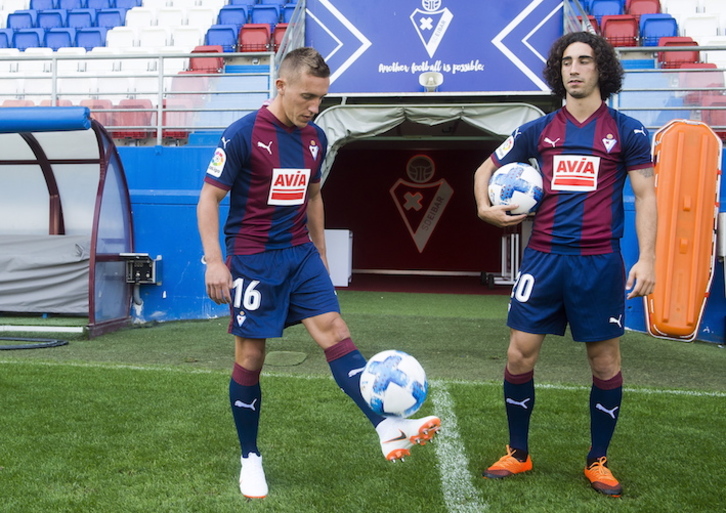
583,166
267,167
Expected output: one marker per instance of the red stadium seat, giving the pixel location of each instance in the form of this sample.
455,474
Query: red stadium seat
176,119
692,78
98,107
620,29
717,117
207,64
638,7
18,103
277,36
140,123
254,37
675,59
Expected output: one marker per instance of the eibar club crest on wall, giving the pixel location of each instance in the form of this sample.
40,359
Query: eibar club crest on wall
431,24
420,202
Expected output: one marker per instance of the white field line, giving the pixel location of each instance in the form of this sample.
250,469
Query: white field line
460,495
123,366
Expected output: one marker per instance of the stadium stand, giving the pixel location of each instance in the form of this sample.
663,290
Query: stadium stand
699,26
270,14
225,36
136,124
277,36
696,76
655,26
60,37
236,15
640,7
254,37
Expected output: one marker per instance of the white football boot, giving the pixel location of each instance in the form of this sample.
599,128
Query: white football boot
399,435
252,481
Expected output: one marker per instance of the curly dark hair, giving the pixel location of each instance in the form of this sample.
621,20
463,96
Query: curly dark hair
608,65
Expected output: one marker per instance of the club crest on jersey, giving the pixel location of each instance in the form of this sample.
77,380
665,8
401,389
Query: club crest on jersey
288,187
576,173
314,149
217,164
505,147
609,142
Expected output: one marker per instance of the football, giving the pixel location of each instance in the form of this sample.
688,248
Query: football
394,384
519,184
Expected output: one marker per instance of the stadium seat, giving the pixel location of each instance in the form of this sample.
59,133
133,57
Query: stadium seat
127,4
270,14
279,3
600,8
254,37
140,17
98,106
620,29
640,7
66,66
674,59
6,38
60,37
655,26
190,86
233,15
18,103
110,18
171,16
35,66
288,9
122,37
99,4
697,76
10,65
717,57
58,103
81,18
700,26
176,119
154,37
90,37
22,19
28,38
42,5
278,35
52,18
186,38
201,17
139,123
206,64
222,35
715,113
71,4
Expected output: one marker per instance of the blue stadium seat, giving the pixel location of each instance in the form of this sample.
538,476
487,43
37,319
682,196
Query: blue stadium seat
655,26
127,4
233,15
22,19
60,37
28,37
6,38
90,37
274,2
51,18
98,4
600,8
71,4
110,18
287,11
222,35
81,18
41,5
262,13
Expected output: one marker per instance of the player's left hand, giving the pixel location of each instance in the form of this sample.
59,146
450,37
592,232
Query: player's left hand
641,279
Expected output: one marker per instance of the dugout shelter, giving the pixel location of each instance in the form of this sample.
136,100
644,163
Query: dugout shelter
65,217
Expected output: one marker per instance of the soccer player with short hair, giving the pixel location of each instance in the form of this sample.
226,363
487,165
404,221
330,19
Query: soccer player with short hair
276,271
572,271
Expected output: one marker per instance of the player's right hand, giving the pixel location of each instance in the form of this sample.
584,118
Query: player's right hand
218,280
498,215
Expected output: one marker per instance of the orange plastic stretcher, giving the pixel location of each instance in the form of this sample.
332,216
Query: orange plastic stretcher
687,156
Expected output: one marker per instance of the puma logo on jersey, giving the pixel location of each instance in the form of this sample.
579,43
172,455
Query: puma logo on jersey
550,141
267,146
617,321
609,412
640,130
224,142
523,404
250,406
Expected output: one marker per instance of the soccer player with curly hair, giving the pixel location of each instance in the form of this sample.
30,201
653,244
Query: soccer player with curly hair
572,272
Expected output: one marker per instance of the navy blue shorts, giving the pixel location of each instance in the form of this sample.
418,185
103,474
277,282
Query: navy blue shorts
588,292
278,288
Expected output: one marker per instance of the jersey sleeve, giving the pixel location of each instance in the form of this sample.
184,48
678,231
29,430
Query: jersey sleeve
229,158
637,151
518,147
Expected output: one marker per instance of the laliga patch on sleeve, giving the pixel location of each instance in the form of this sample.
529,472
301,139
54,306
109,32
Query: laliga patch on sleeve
217,164
504,148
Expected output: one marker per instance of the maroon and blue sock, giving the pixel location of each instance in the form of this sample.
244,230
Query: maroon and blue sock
245,397
519,403
346,364
605,399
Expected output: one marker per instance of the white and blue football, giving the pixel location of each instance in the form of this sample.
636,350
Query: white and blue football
516,184
394,384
